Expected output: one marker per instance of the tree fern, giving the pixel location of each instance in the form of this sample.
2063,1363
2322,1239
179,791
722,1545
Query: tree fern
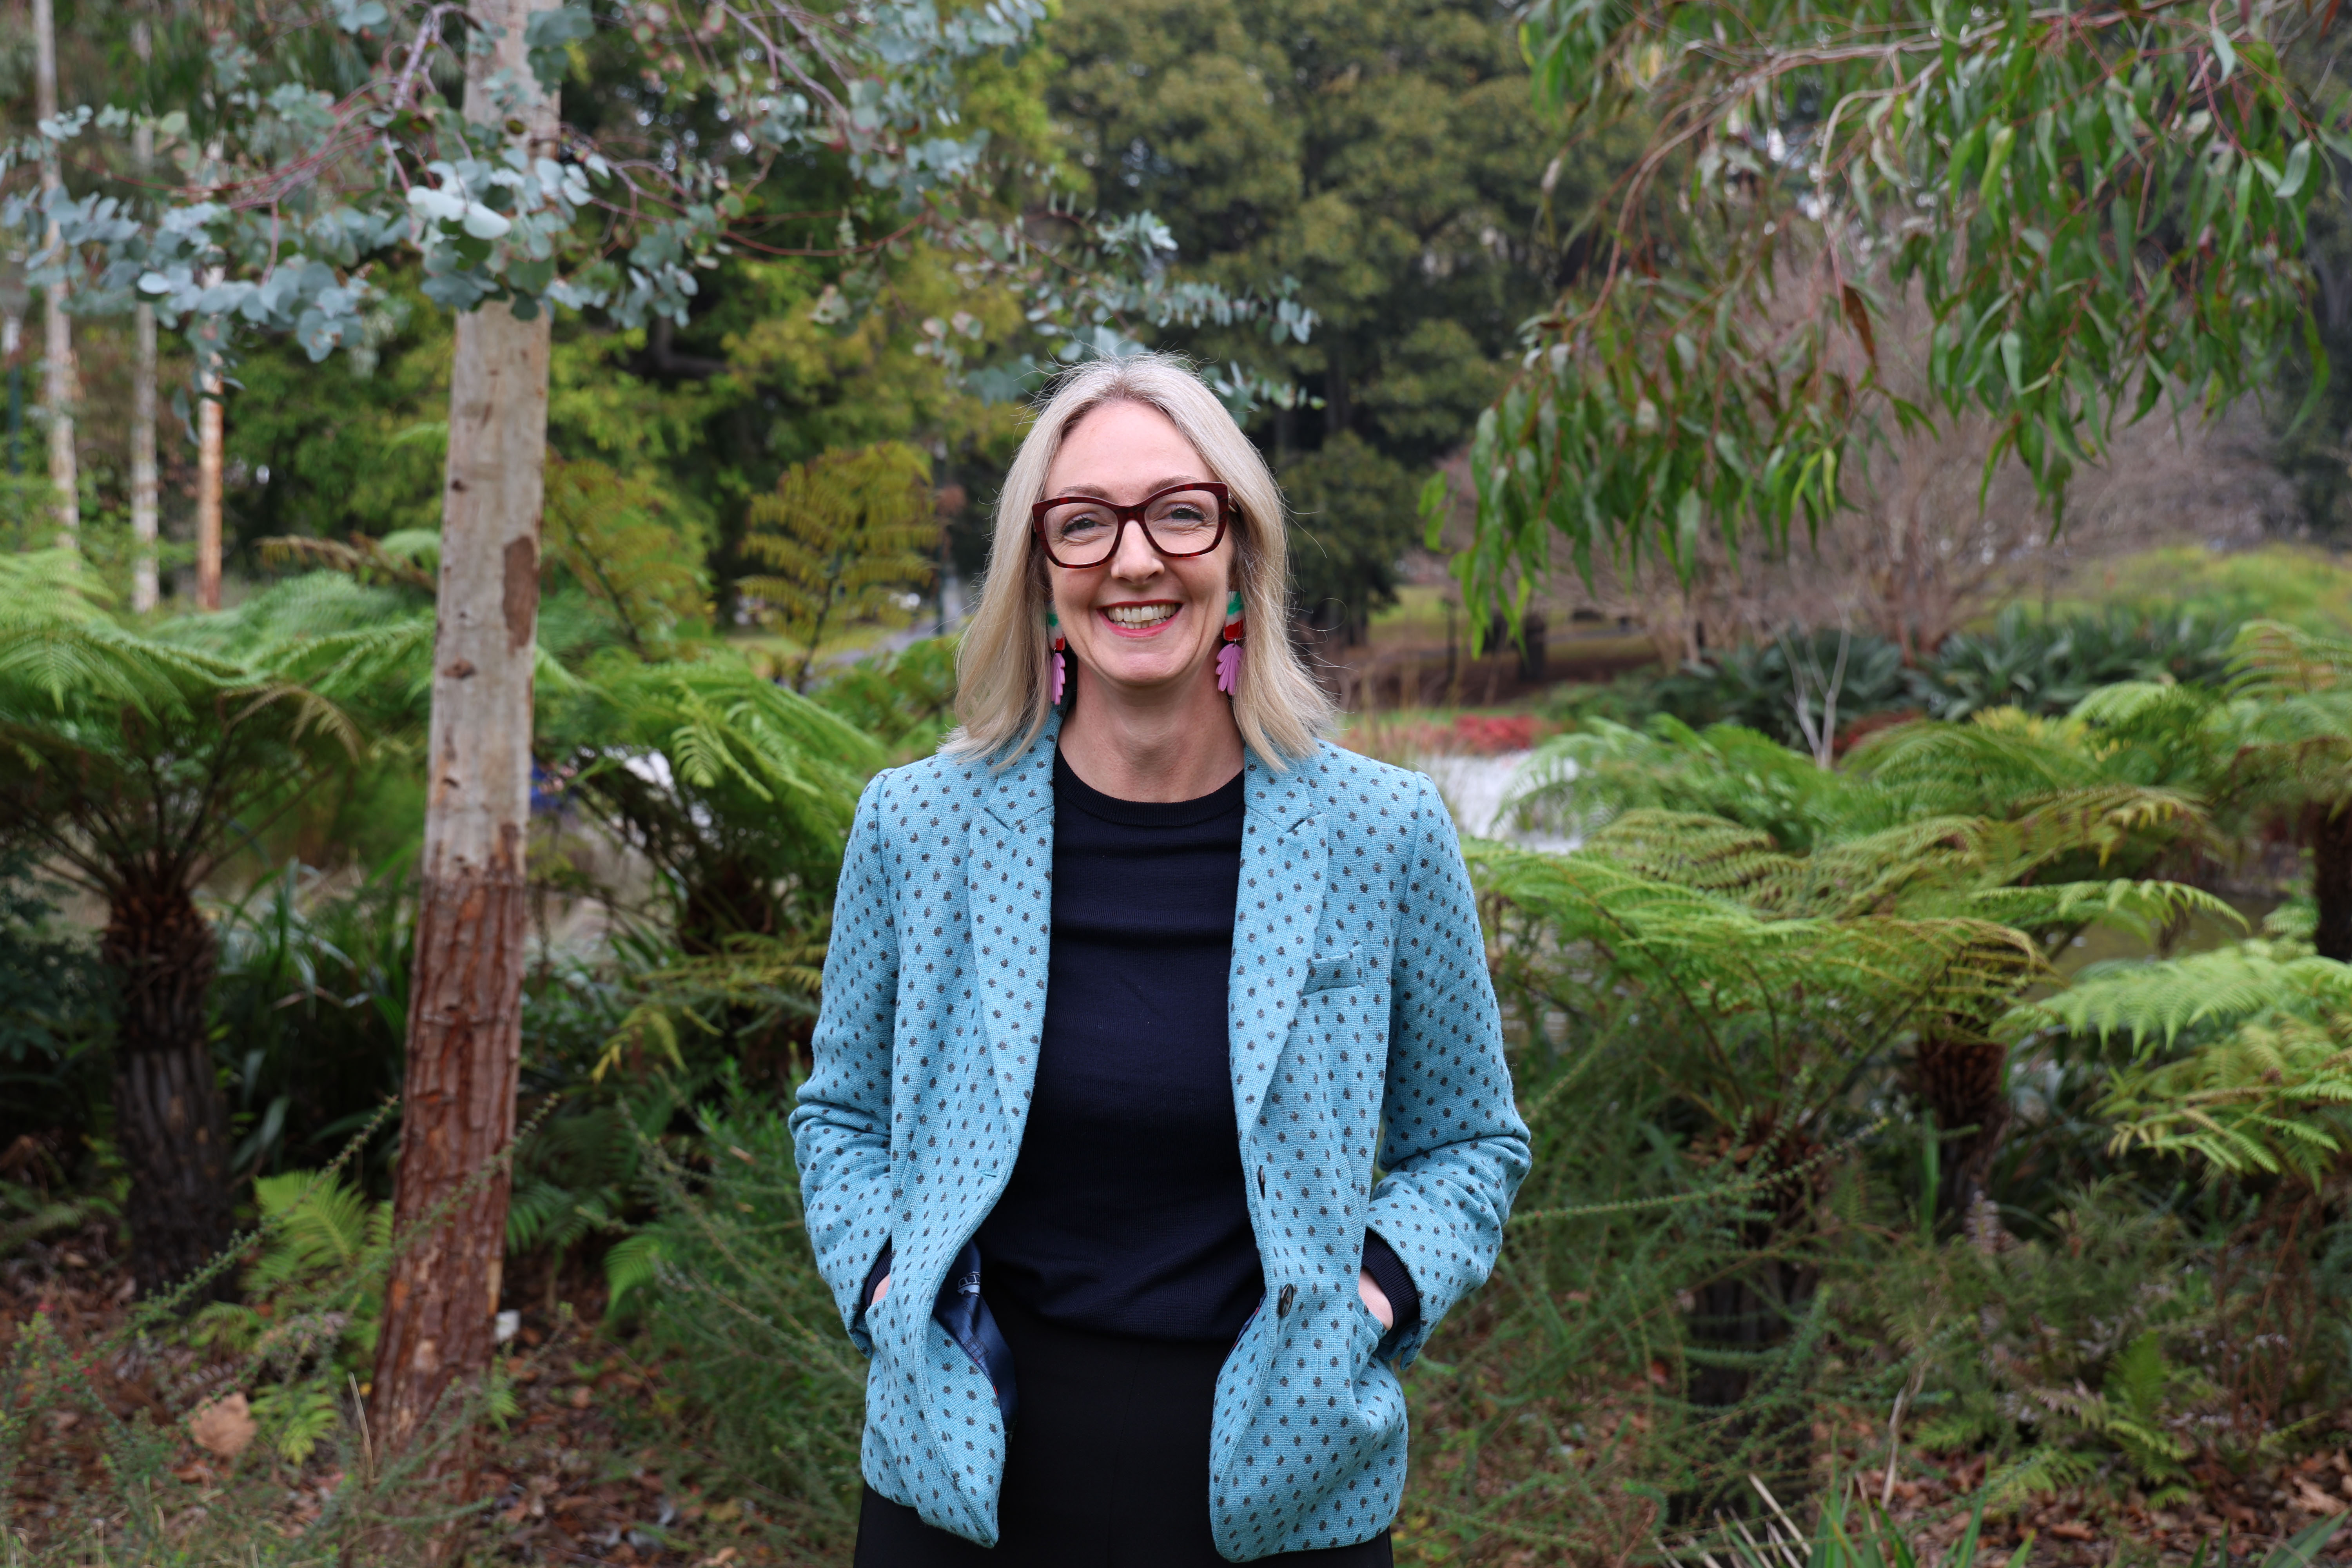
1579,782
2153,1002
134,764
620,540
739,789
1782,1009
2240,1058
840,535
2077,801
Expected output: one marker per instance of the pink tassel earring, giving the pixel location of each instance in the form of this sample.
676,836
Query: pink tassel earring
1229,658
1061,668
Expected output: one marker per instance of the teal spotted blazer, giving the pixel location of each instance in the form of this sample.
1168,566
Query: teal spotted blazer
1368,1084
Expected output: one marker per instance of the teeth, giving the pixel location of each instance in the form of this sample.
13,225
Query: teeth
1140,614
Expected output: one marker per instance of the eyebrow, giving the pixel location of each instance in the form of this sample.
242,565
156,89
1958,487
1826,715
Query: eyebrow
1152,490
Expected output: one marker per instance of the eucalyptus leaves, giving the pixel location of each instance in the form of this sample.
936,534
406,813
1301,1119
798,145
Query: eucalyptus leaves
336,149
2098,205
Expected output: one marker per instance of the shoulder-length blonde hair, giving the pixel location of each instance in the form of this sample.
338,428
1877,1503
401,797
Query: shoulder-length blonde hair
1001,694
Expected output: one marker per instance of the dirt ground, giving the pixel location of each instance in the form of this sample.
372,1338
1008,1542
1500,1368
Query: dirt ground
597,1464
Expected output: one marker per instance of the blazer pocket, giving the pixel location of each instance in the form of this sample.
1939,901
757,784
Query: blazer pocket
1332,971
963,1312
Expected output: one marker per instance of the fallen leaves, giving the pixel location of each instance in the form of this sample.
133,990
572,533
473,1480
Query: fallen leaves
225,1427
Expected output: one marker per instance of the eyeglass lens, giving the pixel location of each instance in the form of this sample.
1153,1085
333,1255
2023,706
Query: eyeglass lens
1181,522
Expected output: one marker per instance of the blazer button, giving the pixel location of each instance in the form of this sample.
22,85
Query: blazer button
1282,1303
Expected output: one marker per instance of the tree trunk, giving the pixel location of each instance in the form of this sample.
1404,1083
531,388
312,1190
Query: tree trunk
211,436
1736,1325
144,510
2331,878
1962,1076
169,1118
465,996
57,365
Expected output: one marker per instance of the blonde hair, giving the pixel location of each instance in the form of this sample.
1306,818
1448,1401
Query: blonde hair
1002,668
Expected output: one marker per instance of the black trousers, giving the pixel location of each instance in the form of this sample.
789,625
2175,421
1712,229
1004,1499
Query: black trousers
1107,1467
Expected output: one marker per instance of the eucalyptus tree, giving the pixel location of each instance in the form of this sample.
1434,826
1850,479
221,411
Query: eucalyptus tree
344,148
2100,206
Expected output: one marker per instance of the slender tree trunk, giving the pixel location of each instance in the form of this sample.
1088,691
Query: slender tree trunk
210,451
58,365
465,1005
170,1118
144,506
2331,878
12,342
146,509
1963,1078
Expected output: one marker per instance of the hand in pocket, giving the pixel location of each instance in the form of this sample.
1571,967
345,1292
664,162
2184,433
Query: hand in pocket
1376,1301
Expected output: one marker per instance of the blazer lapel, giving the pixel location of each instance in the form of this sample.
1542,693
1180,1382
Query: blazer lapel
1285,859
1009,872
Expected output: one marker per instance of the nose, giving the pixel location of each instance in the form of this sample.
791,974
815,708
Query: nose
1137,560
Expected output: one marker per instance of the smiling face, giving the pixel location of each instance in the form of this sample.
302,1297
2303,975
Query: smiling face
1138,622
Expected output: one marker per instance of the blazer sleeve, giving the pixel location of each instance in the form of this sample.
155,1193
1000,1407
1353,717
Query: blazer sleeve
1453,1147
841,1125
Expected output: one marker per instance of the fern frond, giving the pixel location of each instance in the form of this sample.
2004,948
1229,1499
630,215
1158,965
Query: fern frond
2272,659
837,534
2144,908
362,559
2154,1002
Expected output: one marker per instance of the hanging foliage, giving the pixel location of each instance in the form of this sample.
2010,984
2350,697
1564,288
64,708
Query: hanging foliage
2100,207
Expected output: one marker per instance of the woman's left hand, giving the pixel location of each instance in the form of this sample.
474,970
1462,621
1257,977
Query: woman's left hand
1376,1301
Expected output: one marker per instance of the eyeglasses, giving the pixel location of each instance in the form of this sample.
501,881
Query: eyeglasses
1085,531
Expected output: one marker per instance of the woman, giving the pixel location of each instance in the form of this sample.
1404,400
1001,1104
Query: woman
1134,989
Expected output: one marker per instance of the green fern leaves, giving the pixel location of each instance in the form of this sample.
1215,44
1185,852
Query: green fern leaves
839,536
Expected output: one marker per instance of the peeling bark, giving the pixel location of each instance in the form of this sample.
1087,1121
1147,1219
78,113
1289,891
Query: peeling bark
466,998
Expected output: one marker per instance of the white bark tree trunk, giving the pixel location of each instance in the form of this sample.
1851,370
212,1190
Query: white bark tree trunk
465,998
145,508
58,389
211,443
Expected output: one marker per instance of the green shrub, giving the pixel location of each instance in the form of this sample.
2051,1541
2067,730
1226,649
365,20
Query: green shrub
756,1340
2023,660
53,1077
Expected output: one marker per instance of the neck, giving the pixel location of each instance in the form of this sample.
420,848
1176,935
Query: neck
1158,745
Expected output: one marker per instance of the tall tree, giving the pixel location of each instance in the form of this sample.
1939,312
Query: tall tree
465,1010
144,496
212,451
58,378
1351,519
1379,152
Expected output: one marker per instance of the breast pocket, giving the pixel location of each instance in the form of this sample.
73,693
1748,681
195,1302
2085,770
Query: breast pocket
1332,971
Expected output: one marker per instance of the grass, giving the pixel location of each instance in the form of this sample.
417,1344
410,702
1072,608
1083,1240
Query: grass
2300,584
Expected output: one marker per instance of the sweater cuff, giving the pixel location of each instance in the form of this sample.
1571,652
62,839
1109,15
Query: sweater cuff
1387,1272
882,1265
